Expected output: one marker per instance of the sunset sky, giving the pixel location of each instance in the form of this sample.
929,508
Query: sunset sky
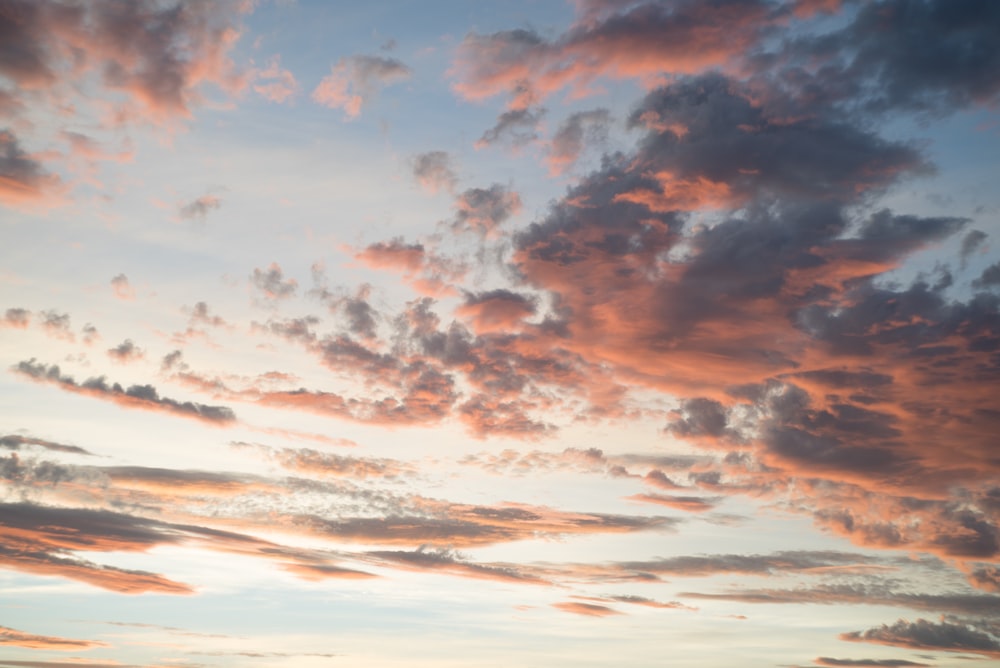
489,334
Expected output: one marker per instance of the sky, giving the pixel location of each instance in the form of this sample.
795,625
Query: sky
480,334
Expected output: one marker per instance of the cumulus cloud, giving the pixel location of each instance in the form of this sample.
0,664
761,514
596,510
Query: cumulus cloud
353,81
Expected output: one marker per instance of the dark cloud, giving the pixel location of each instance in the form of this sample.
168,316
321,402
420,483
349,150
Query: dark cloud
23,180
925,635
928,56
516,127
14,442
136,396
971,242
989,278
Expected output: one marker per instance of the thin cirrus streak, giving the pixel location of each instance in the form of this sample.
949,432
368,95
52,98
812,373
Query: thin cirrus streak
644,322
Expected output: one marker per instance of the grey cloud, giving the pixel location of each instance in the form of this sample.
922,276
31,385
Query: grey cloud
485,209
126,351
271,282
516,127
867,663
22,178
15,441
433,171
926,635
574,134
139,396
17,317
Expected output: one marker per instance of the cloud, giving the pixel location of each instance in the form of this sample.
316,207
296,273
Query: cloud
483,210
23,179
9,636
199,208
586,609
272,283
353,81
642,40
866,663
17,318
428,273
434,171
14,442
925,635
497,310
274,83
516,127
121,287
450,562
158,55
136,396
126,351
57,325
691,504
877,594
573,136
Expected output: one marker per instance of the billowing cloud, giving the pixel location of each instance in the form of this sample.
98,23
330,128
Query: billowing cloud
354,80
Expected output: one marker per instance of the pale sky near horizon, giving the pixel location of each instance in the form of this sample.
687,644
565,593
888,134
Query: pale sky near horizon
593,333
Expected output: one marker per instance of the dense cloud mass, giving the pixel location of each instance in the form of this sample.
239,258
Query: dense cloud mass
679,317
